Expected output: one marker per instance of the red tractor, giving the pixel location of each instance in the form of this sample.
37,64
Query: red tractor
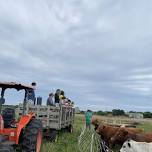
24,134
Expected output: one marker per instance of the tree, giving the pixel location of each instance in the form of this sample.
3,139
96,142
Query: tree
118,112
102,113
147,115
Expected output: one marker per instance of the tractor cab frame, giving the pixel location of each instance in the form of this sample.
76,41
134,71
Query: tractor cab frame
18,87
19,134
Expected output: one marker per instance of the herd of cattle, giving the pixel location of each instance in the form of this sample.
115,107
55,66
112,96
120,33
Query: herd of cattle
130,139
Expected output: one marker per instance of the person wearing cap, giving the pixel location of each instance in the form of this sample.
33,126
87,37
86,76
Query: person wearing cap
31,94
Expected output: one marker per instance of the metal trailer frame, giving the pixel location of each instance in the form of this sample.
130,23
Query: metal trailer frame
52,117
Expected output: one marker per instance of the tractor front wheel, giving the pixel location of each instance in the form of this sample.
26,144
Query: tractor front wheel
32,136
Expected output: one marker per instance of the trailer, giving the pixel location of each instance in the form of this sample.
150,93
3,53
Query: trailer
53,118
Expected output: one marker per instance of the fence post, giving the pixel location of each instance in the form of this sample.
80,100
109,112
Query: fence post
92,138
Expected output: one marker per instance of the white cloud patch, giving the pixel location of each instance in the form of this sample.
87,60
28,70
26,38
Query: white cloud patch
98,51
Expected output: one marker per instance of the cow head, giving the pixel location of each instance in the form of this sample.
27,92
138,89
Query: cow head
100,129
95,122
127,147
120,136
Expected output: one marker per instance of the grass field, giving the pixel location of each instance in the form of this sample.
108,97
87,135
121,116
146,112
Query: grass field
68,142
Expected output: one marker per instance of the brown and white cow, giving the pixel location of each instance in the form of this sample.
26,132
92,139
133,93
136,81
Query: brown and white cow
123,134
106,132
133,146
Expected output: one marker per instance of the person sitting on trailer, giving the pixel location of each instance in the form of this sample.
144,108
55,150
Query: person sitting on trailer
66,102
62,97
69,102
56,97
72,104
50,100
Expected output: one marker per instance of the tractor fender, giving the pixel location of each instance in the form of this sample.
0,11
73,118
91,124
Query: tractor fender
22,124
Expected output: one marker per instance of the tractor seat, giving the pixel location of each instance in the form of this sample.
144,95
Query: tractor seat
8,115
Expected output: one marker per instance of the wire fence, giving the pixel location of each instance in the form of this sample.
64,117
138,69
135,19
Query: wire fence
89,141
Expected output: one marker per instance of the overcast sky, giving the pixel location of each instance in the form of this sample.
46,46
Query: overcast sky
98,51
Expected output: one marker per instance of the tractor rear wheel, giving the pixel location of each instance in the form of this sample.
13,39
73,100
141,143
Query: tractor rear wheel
32,136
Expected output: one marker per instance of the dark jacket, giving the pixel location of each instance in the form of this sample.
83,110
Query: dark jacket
49,101
57,99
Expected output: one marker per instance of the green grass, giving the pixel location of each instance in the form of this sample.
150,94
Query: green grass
146,126
68,142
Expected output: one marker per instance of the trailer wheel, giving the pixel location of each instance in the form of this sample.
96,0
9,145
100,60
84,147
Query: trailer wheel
32,137
5,148
70,129
53,135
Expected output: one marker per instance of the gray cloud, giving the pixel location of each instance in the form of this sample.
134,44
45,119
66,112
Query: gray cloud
99,51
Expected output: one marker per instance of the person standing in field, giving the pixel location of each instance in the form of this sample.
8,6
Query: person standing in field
31,94
88,117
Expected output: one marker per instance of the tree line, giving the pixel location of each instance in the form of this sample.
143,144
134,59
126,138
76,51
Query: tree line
119,112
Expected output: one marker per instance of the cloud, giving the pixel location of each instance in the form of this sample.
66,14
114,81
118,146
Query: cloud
98,51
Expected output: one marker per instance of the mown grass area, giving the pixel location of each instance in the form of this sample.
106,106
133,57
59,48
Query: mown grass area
68,142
